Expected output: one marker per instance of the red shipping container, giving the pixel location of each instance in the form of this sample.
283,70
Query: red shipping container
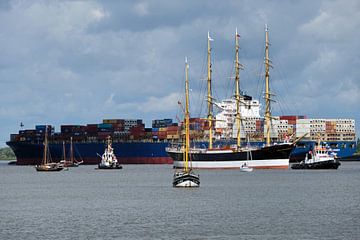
172,128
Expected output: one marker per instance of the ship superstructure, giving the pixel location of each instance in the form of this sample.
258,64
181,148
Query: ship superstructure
225,125
282,127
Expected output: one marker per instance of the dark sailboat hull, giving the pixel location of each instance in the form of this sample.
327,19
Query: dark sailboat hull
331,164
275,156
186,179
53,167
115,166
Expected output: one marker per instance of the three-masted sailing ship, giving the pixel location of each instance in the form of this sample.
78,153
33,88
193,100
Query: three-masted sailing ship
47,165
186,177
268,156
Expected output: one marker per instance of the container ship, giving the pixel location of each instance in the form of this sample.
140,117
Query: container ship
132,142
135,144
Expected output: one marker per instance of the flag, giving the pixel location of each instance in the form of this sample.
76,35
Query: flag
210,39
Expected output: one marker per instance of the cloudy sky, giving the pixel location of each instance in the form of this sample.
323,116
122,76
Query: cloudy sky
78,62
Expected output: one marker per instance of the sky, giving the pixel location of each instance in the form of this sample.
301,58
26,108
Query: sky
78,62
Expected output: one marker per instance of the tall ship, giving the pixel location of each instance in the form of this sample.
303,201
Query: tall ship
268,156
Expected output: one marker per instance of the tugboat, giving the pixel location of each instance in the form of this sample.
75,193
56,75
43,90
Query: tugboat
186,177
108,159
319,158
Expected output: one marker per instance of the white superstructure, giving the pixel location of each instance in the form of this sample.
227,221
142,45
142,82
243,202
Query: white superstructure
281,128
329,129
225,119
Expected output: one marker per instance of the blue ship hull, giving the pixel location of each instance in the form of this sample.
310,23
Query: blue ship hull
149,152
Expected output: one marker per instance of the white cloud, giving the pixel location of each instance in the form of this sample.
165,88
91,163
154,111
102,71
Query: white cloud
81,61
99,14
141,9
336,20
160,104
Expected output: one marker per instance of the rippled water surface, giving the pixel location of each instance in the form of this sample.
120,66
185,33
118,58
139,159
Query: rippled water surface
139,202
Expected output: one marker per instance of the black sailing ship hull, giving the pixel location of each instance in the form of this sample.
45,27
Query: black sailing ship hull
331,164
275,156
186,179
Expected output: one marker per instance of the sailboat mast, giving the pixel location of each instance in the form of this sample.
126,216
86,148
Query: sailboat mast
64,151
209,98
267,87
45,157
71,151
187,118
237,90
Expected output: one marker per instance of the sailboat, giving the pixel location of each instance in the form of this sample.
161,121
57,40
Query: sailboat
245,168
108,159
47,165
186,177
72,162
267,156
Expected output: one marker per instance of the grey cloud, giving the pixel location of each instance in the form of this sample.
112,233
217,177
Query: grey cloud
66,62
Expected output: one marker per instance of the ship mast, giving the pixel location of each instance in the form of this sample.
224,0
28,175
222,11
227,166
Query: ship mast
238,66
187,117
64,151
45,157
209,98
71,151
267,87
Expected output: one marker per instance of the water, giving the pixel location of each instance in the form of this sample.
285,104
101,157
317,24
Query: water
139,202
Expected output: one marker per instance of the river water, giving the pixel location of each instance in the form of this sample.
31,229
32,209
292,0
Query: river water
139,202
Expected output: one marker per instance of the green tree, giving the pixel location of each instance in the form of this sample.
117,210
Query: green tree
7,154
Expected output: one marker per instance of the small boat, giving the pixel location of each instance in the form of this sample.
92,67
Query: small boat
245,168
47,165
108,159
72,162
319,158
186,177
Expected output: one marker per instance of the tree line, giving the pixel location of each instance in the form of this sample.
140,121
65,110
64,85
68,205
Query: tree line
7,154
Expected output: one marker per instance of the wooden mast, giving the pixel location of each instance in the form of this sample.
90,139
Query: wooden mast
209,98
64,152
238,66
71,151
267,87
187,118
45,157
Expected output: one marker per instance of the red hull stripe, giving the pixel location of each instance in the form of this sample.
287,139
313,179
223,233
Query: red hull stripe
128,160
237,168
